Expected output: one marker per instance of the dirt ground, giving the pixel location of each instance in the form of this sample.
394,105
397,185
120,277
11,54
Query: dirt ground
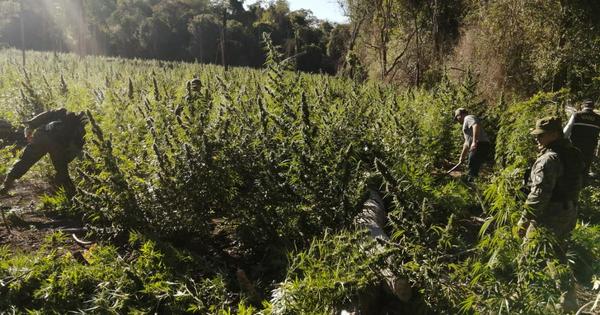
24,225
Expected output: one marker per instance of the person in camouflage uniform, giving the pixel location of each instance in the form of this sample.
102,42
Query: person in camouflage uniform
555,182
193,87
57,132
556,179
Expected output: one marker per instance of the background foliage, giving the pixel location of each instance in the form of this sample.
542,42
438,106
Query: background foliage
514,47
174,30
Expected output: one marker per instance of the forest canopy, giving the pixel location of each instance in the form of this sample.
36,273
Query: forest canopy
179,30
511,46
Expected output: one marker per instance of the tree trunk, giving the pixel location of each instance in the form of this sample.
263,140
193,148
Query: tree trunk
418,61
223,34
353,37
435,32
22,32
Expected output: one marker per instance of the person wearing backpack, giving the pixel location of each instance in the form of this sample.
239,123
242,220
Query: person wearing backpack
555,182
583,129
60,134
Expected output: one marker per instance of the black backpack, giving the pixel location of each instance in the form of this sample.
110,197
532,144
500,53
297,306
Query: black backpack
571,182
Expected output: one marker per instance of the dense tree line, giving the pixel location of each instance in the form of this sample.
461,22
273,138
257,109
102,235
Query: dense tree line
190,30
511,45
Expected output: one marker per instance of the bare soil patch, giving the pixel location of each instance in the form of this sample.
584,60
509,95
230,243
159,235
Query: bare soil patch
25,225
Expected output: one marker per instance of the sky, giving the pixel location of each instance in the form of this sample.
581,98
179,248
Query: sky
323,9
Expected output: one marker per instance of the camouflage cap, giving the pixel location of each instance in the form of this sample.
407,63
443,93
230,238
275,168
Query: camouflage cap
547,124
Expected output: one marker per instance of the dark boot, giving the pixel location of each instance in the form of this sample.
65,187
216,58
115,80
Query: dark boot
569,301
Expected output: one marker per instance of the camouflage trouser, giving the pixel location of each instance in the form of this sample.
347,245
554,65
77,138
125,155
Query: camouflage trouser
41,144
560,217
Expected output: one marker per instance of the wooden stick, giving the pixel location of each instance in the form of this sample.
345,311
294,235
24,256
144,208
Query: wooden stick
79,241
453,169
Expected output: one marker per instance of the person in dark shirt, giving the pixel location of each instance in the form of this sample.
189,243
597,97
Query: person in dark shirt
583,129
59,133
